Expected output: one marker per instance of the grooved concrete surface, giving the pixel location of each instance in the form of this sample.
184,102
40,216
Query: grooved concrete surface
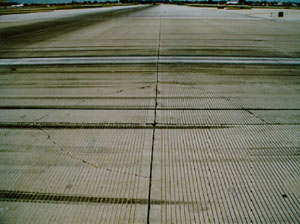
156,132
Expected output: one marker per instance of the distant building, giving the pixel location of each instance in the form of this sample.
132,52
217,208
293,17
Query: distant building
232,3
17,6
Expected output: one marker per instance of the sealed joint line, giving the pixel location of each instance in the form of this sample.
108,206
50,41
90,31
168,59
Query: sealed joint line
73,107
113,97
71,125
150,60
63,125
99,107
154,125
26,196
76,97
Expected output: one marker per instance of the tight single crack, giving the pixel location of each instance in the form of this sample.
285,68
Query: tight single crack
38,119
65,152
69,154
250,112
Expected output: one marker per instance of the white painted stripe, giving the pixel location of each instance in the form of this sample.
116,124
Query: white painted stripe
150,60
230,60
78,60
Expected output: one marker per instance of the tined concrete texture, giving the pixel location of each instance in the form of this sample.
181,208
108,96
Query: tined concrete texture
150,114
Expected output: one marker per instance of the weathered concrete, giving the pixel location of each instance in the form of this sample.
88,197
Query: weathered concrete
167,114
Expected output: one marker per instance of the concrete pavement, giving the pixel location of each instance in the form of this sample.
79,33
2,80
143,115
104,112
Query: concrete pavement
165,114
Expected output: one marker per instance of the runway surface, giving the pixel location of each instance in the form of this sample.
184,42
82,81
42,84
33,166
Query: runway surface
152,114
